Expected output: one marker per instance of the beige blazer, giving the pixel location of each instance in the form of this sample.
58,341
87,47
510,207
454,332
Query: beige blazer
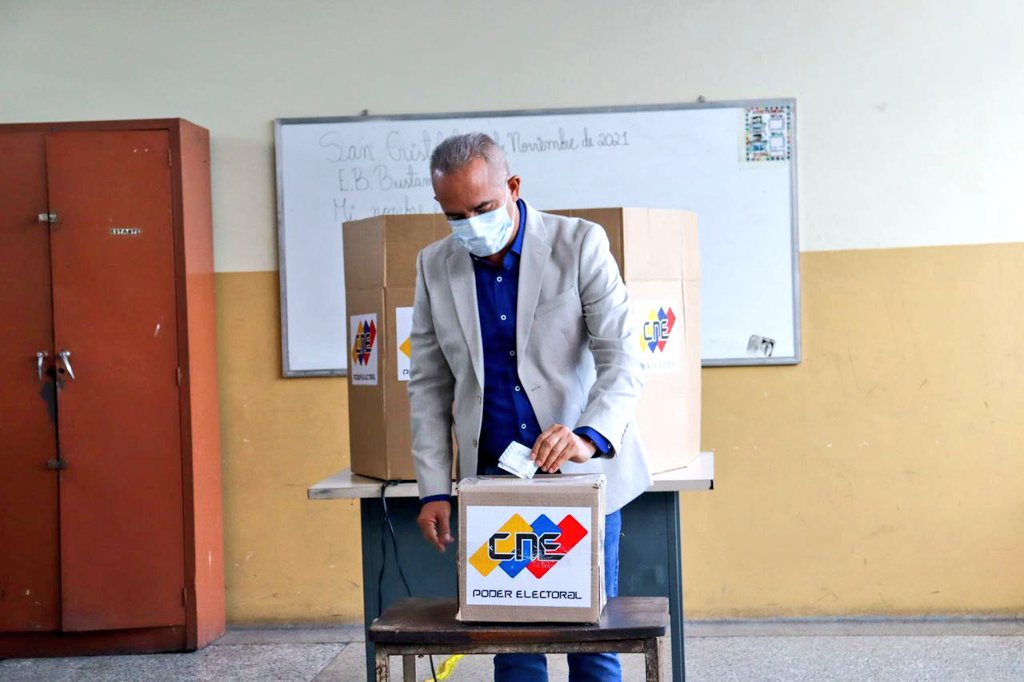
578,357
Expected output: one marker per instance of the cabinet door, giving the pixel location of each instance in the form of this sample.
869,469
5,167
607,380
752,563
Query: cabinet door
121,525
29,569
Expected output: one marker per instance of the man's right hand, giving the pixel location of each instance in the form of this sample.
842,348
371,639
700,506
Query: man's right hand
433,521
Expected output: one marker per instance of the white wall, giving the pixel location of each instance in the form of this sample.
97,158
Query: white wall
908,110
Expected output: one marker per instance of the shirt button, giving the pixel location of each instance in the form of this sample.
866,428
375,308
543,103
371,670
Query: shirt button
504,317
518,388
512,352
522,426
499,278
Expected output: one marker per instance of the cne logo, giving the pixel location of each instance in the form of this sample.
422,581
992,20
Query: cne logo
536,546
657,329
362,346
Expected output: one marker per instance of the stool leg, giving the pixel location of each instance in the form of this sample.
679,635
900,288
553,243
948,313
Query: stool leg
409,668
652,659
382,664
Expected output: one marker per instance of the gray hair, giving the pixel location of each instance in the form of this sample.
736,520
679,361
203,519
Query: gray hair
458,150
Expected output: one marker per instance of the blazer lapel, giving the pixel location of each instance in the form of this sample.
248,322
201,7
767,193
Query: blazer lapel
463,286
532,262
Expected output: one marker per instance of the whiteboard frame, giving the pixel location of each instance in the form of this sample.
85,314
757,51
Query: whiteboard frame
794,359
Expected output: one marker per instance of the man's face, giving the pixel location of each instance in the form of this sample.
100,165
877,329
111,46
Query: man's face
474,189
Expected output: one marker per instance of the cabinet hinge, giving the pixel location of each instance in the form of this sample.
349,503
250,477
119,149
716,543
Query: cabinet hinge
170,163
50,218
179,377
184,596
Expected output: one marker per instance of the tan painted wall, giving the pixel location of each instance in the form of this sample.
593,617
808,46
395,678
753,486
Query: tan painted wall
286,558
884,474
881,476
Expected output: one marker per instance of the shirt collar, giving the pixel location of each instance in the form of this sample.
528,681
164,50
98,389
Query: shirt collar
517,245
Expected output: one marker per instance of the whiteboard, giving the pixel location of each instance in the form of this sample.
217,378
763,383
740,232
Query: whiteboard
733,163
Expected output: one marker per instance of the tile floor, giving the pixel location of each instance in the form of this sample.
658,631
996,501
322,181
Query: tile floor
882,650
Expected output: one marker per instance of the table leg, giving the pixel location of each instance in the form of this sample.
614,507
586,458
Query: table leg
382,665
650,562
675,584
652,658
369,518
409,668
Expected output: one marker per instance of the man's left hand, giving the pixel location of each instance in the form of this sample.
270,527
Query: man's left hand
558,445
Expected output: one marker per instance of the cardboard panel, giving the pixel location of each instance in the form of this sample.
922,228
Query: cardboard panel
668,414
380,270
365,399
398,440
654,243
405,237
608,218
382,251
648,243
658,254
364,253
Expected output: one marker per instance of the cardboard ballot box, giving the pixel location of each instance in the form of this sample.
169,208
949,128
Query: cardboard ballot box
658,255
380,283
531,550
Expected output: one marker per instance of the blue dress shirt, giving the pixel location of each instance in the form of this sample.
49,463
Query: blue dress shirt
507,413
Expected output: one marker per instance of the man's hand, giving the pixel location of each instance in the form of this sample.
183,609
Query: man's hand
433,521
558,445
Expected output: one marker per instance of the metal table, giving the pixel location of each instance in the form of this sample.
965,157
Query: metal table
650,563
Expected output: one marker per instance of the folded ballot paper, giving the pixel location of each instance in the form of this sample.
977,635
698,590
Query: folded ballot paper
531,550
516,460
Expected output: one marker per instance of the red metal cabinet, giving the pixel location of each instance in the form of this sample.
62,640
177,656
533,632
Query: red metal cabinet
110,514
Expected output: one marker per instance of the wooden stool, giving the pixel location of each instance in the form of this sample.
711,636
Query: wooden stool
629,625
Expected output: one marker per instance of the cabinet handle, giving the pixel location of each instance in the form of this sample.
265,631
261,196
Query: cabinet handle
65,356
40,358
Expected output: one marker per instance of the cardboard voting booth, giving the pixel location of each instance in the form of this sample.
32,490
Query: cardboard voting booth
659,259
531,550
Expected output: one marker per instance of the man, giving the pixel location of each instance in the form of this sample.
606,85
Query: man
521,332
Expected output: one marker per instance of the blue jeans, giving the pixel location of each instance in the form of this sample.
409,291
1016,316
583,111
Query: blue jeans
582,667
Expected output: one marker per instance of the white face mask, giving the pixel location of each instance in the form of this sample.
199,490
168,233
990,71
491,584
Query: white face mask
485,234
